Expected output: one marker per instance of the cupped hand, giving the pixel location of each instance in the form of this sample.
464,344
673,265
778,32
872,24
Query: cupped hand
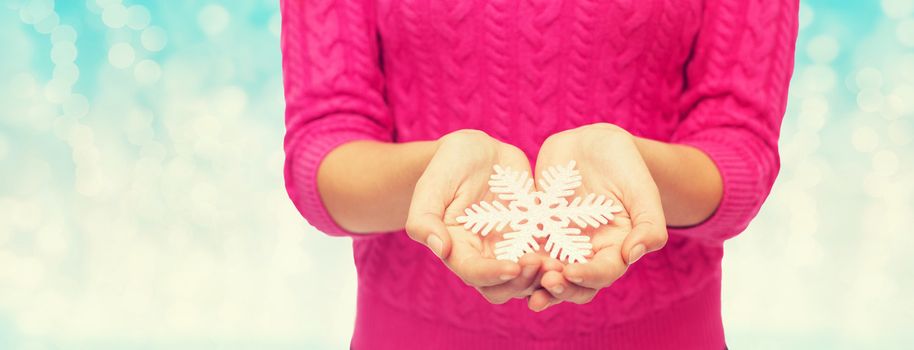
610,164
456,177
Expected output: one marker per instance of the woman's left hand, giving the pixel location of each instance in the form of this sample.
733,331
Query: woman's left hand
610,164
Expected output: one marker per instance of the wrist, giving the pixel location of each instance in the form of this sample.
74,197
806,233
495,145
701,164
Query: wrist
690,184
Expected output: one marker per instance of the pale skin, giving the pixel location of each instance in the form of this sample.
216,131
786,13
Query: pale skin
371,187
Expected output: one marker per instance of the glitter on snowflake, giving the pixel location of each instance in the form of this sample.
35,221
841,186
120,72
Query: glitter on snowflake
540,214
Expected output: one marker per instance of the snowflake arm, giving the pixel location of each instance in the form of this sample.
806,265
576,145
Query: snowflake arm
510,185
560,181
569,244
482,218
514,245
589,211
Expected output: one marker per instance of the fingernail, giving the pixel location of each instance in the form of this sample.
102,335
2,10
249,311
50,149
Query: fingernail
636,253
506,277
529,271
557,289
576,279
435,244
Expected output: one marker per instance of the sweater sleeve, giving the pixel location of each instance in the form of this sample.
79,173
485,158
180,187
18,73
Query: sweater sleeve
734,101
334,93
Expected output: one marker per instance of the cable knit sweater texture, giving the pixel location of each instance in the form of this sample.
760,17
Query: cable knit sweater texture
712,74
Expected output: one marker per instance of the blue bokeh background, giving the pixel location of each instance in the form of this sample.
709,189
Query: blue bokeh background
142,205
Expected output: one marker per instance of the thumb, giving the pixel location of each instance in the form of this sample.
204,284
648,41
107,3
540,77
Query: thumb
646,236
648,229
428,229
425,221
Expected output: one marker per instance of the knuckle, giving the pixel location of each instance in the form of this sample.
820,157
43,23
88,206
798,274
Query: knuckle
664,237
412,228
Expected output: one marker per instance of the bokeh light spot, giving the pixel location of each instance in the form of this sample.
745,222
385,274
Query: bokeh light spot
869,78
806,16
822,49
63,33
870,100
63,52
35,11
48,24
115,16
153,38
66,73
213,19
147,72
138,17
275,24
897,8
121,55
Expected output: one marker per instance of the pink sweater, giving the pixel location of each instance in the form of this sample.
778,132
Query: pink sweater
712,74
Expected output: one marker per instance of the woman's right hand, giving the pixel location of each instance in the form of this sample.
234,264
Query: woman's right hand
456,177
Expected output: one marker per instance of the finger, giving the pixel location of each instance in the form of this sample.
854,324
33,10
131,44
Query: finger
548,264
553,282
552,264
478,271
563,290
602,270
521,285
540,300
425,221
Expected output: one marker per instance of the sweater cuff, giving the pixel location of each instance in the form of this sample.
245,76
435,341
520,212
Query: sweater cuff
301,178
742,195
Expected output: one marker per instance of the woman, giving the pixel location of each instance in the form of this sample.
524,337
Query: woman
397,112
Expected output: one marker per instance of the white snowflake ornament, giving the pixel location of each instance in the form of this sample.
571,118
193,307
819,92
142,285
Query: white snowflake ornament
540,214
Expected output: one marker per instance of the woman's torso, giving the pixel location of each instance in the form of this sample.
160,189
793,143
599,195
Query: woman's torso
522,70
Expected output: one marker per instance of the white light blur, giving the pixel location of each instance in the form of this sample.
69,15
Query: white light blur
121,55
153,38
897,8
213,19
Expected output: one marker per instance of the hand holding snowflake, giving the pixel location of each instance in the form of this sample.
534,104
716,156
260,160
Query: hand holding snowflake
456,177
542,214
610,163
